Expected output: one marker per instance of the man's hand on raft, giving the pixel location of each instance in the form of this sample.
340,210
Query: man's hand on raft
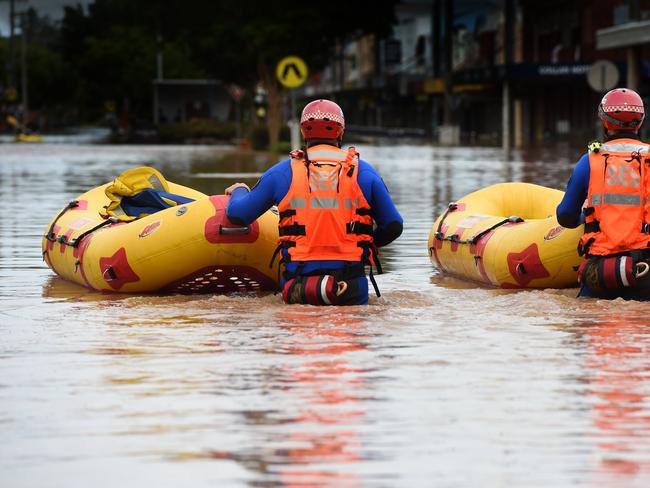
232,188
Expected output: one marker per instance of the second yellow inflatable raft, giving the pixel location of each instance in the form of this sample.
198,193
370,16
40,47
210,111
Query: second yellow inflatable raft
188,248
507,235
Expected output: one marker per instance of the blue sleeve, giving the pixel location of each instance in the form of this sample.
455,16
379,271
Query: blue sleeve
569,210
388,219
244,206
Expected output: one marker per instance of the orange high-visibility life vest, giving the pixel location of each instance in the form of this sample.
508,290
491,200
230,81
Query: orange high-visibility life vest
324,215
617,215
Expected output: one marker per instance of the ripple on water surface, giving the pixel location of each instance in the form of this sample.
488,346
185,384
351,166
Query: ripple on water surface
436,380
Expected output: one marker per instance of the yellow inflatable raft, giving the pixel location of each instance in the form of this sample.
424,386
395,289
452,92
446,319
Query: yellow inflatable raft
188,248
507,235
31,138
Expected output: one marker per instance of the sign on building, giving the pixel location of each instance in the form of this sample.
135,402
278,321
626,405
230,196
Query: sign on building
603,76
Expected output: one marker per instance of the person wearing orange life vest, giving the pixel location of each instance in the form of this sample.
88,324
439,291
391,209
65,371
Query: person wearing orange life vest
612,183
335,211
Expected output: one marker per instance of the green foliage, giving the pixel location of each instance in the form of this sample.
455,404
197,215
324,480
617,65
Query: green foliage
52,81
281,148
108,50
118,66
194,129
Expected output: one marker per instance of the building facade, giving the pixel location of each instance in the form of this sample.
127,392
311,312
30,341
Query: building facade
461,71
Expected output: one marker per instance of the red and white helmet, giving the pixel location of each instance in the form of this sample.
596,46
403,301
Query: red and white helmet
621,109
322,119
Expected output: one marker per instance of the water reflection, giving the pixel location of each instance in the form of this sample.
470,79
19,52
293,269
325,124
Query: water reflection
438,382
617,362
312,434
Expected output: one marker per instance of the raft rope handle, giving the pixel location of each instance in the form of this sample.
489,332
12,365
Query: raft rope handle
514,219
234,230
474,239
50,233
343,286
76,241
450,208
111,273
644,271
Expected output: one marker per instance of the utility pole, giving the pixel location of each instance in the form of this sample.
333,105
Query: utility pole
159,78
633,52
448,61
508,40
23,64
10,63
436,12
10,67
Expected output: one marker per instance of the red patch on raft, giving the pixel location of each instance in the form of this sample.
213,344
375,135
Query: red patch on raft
81,205
116,270
50,244
437,243
67,236
214,225
525,266
478,249
459,233
79,254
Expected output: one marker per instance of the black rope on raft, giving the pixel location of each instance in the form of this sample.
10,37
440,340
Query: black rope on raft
50,236
450,208
62,239
474,239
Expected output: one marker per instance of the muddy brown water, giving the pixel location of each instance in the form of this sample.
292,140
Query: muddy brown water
437,383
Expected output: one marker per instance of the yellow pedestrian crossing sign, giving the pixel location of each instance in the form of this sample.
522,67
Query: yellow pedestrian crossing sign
291,71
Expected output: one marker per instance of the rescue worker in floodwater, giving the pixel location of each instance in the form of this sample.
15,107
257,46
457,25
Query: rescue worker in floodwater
335,212
609,191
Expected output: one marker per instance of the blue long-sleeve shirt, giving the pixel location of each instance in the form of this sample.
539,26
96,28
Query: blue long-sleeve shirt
244,206
569,211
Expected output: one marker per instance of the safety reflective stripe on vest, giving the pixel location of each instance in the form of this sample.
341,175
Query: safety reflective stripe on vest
615,199
324,202
324,154
622,199
298,203
348,203
623,147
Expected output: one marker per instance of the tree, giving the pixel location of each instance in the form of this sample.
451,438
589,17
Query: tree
240,41
114,48
253,36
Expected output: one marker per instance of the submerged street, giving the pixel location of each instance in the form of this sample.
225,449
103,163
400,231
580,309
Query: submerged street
436,383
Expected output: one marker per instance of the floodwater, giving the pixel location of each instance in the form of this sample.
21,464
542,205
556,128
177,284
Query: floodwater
437,383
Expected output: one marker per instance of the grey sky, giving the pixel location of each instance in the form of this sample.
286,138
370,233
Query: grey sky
53,8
